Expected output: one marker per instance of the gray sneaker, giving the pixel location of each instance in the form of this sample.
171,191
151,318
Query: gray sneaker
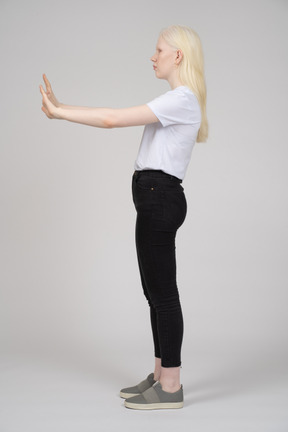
139,388
156,398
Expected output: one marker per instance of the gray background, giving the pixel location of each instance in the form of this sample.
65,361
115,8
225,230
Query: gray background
73,320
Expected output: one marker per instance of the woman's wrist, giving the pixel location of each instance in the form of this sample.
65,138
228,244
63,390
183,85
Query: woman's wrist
58,113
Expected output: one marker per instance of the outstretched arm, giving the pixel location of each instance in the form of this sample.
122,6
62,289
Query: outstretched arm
98,117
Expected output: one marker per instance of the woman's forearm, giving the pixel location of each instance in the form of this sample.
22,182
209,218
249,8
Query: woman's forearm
97,117
73,107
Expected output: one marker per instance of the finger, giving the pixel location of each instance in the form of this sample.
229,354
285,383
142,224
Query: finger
47,114
45,100
46,104
47,83
46,111
42,91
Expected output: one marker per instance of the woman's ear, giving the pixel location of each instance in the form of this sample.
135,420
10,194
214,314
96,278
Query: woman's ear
179,56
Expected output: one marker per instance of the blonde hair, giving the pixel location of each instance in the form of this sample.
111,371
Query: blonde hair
191,68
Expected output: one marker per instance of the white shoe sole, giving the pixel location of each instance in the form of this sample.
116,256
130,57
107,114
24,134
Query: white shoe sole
160,405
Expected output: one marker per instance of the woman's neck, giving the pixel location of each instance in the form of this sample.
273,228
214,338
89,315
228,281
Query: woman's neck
174,82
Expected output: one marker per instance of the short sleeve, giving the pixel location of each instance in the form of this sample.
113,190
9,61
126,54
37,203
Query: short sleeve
176,107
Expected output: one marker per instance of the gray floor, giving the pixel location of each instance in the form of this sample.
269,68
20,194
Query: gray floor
225,390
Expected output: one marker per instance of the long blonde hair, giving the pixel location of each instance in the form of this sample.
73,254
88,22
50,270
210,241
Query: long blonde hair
191,68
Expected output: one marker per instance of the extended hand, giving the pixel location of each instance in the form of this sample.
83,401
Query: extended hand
50,105
49,92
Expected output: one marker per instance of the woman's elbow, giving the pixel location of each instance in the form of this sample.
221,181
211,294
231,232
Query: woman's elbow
109,121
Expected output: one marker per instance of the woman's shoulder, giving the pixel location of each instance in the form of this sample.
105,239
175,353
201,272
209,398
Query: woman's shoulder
183,95
183,91
176,92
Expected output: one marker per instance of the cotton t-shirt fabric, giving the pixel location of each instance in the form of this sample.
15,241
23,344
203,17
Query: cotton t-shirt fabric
167,145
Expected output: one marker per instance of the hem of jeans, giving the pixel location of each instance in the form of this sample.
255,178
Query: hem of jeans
169,365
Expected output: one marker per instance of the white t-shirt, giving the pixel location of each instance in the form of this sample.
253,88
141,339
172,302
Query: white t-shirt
167,145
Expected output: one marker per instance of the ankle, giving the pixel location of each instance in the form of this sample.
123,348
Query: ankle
170,379
170,387
157,374
157,369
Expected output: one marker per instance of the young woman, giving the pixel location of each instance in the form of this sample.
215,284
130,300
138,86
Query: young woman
173,123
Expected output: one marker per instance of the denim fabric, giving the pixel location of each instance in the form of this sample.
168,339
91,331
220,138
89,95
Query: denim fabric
161,209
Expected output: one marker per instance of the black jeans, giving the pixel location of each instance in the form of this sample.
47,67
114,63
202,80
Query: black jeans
161,209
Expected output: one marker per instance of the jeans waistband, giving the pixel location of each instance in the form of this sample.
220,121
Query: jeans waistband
157,174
